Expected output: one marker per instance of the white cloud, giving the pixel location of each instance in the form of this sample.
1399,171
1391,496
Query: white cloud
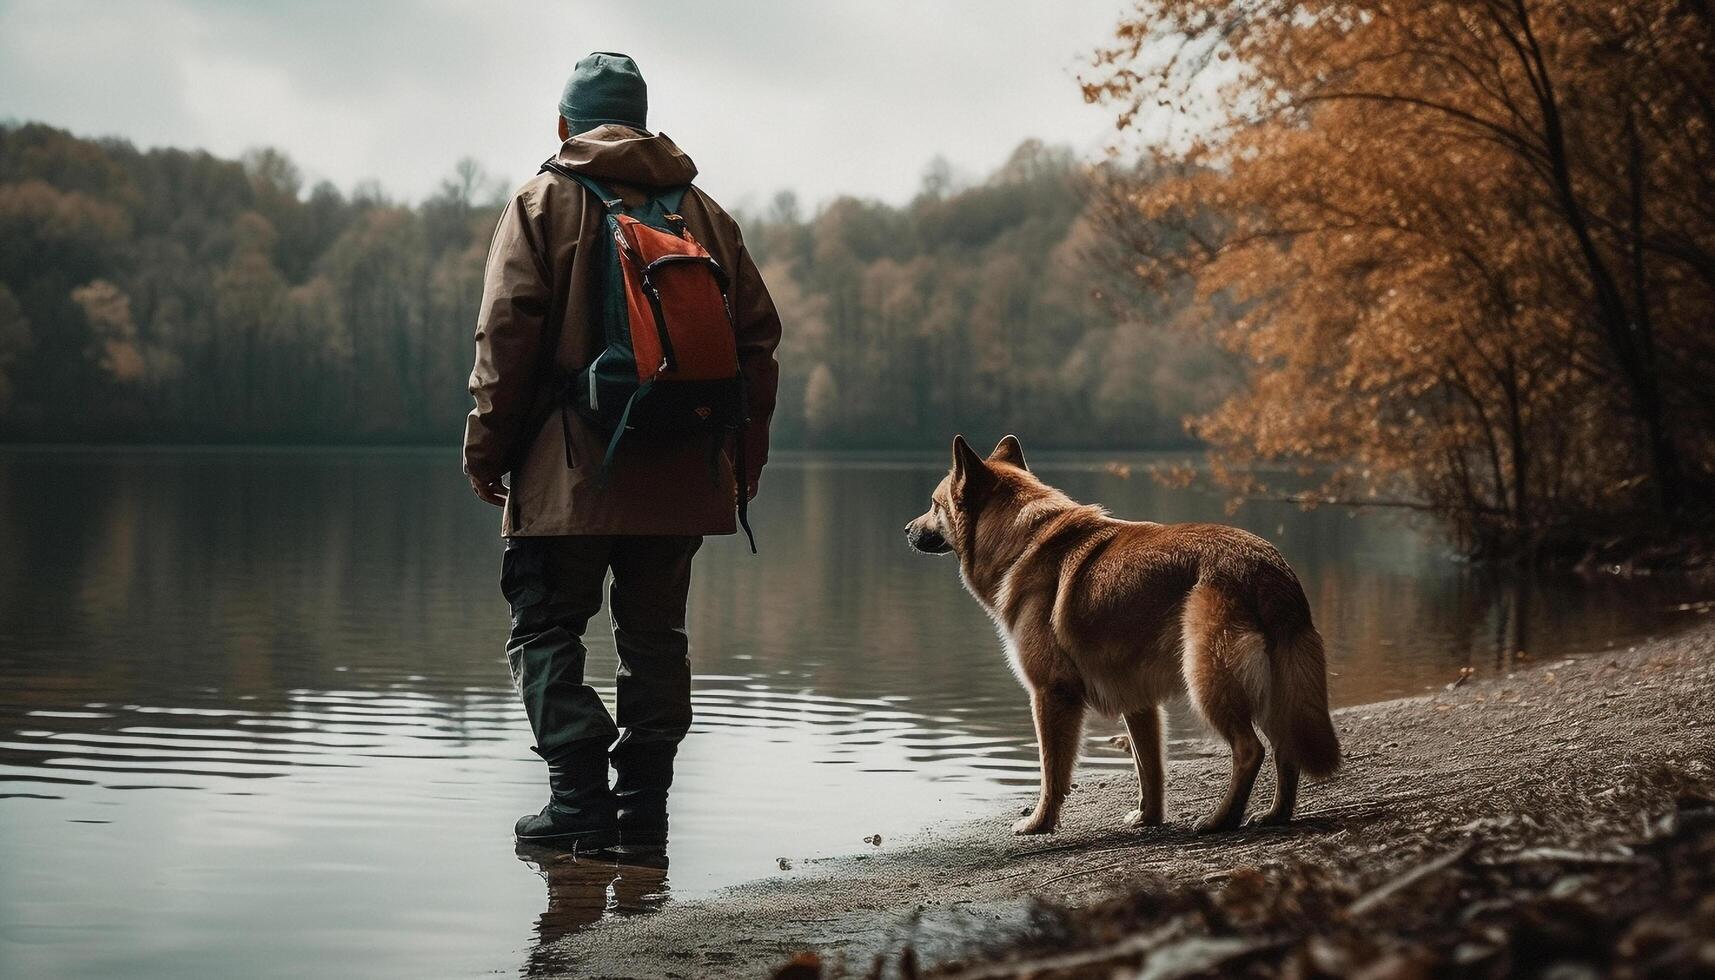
823,98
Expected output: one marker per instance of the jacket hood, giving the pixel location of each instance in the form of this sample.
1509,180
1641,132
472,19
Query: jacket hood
627,156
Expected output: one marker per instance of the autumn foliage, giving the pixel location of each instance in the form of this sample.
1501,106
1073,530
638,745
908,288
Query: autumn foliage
1471,246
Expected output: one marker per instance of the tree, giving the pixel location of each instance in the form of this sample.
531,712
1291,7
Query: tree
821,399
14,340
1470,245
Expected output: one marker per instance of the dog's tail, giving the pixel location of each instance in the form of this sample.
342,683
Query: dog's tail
1296,719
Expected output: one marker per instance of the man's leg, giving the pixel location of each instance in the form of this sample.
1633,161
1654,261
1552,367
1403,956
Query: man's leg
554,586
651,580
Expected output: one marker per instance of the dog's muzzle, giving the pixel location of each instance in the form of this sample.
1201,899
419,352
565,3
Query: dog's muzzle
926,540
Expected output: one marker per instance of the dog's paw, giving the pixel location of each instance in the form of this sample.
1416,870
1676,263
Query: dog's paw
1033,825
1217,824
1138,819
1272,818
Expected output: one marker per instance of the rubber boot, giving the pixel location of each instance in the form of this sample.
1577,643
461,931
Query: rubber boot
580,814
643,772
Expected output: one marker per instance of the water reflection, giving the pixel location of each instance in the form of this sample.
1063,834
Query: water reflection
581,892
255,716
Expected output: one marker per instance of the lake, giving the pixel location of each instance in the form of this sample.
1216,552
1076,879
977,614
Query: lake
255,716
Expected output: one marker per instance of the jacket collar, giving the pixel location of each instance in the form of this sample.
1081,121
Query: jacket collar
628,156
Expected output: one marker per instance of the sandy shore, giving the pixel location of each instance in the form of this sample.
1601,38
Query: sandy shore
1568,754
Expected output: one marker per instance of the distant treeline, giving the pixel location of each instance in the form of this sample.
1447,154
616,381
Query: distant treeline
1006,304
174,296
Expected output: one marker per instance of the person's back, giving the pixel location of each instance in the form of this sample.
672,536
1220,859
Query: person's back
570,513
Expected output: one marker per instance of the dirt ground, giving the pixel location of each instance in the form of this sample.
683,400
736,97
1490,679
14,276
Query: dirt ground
1577,788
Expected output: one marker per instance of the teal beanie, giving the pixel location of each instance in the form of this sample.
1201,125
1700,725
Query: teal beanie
605,87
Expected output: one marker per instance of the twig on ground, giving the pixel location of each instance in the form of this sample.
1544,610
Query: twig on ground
1080,871
1557,855
1138,944
990,881
1377,803
1376,896
1197,955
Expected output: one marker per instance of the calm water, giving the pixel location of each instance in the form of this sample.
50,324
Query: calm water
255,717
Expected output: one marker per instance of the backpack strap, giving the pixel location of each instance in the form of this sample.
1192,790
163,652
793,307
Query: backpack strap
669,200
741,480
619,431
609,200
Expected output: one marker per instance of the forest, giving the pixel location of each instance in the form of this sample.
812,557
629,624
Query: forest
168,295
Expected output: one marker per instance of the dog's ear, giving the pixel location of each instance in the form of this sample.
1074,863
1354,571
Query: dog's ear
970,473
1009,451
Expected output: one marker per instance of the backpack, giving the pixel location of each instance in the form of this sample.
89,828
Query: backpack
668,365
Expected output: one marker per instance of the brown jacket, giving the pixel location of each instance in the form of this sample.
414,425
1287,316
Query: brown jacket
536,266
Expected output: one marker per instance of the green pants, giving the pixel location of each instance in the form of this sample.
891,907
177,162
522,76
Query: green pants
554,586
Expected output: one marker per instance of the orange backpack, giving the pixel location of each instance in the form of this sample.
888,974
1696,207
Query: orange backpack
669,363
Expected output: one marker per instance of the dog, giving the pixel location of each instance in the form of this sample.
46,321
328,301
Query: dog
1119,616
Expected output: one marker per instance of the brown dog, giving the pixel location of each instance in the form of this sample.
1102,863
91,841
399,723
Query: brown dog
1120,615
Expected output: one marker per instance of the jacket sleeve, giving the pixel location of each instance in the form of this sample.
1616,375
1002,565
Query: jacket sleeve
509,337
758,328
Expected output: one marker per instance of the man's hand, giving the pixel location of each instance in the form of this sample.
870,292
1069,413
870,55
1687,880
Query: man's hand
493,492
750,491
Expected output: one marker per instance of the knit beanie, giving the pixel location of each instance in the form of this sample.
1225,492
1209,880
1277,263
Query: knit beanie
605,87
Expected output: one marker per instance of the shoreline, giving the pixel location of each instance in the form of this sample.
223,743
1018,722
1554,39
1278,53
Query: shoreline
1564,755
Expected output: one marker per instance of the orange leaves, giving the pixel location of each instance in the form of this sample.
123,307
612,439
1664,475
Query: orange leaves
1412,290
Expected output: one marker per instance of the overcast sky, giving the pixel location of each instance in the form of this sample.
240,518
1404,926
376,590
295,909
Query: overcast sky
823,97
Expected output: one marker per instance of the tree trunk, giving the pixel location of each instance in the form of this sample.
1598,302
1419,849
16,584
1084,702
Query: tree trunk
1627,335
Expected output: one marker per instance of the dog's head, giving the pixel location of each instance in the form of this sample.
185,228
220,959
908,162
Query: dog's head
955,504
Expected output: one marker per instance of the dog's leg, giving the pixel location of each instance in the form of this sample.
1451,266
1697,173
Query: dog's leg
1285,792
1221,661
1059,728
1247,759
1144,726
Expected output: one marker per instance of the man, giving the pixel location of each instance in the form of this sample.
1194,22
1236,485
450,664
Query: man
567,519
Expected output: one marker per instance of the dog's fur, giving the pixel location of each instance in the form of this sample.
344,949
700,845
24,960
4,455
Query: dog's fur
1120,615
